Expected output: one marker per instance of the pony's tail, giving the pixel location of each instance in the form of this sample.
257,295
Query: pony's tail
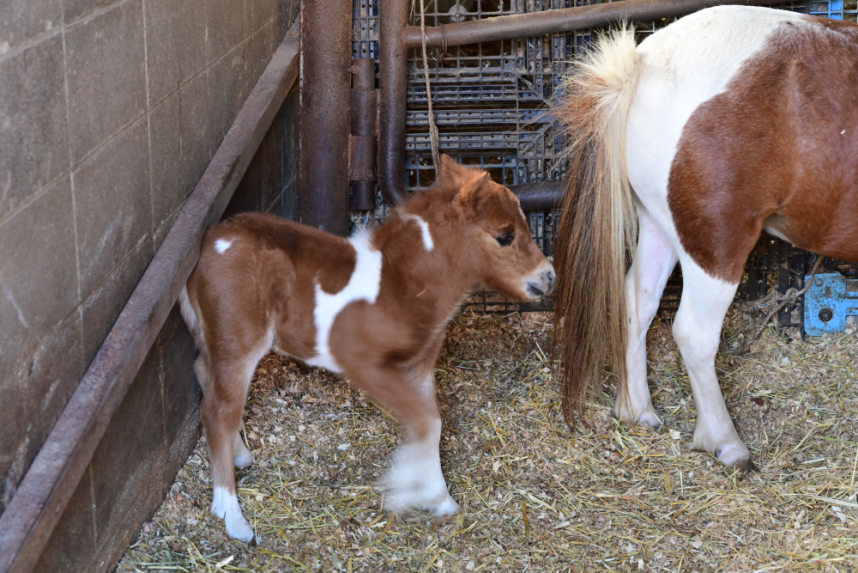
598,225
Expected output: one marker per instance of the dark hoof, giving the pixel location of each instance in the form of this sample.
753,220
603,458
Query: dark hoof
745,466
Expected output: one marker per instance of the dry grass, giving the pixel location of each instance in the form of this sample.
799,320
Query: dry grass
536,497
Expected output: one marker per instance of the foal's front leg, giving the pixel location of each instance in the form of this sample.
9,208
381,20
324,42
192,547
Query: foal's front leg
415,479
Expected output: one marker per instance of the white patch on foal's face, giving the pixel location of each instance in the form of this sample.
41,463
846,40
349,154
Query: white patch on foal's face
225,505
424,229
222,245
364,284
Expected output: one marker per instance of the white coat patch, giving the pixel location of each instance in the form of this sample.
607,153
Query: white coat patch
364,284
221,245
424,229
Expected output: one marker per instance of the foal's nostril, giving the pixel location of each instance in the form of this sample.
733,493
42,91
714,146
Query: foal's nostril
548,277
534,290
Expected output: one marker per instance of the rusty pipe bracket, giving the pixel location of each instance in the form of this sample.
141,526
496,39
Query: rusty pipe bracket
363,142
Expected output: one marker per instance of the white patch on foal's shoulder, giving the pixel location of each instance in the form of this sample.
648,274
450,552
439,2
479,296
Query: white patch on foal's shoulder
221,245
424,229
364,284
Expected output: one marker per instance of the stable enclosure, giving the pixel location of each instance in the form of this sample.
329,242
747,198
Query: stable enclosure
113,111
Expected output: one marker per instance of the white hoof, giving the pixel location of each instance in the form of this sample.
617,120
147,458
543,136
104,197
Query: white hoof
440,505
242,456
415,482
238,528
225,506
729,450
649,419
645,416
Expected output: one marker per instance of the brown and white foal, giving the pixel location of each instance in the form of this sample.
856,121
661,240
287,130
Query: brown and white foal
373,307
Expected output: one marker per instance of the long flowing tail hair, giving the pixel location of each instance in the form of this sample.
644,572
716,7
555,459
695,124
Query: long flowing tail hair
598,225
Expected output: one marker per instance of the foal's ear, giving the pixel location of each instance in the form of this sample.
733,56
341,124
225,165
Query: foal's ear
469,189
450,168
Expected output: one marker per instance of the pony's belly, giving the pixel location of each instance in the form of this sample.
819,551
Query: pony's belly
842,243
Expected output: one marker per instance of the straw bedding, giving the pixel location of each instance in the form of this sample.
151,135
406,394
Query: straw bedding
537,497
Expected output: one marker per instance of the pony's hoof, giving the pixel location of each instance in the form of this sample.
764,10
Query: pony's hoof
736,456
447,507
649,419
225,506
403,502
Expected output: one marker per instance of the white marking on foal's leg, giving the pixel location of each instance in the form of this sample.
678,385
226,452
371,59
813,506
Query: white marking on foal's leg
222,245
424,229
241,455
653,263
415,479
697,330
225,506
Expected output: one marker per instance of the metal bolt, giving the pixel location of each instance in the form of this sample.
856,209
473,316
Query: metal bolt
826,314
818,282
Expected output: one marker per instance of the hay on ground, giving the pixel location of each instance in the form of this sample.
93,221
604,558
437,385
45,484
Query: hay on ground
535,496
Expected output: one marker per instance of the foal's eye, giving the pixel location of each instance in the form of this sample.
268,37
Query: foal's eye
506,239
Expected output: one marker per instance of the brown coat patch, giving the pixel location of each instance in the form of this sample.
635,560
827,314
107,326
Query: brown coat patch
777,149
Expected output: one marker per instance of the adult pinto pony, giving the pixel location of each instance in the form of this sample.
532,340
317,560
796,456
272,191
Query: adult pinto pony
373,307
731,121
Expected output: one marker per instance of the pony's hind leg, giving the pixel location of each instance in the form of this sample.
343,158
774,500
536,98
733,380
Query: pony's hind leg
654,260
697,330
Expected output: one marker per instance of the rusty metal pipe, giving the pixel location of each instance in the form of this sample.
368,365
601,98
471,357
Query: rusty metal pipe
538,196
562,20
363,157
323,200
392,68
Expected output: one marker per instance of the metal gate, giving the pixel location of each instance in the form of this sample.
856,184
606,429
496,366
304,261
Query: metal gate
490,101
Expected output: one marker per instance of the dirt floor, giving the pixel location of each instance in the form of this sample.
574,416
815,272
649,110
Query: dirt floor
535,496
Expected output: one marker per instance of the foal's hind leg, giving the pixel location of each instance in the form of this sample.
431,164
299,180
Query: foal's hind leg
697,330
654,260
222,412
241,455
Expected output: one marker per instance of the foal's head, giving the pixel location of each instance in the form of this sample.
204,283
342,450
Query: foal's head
499,247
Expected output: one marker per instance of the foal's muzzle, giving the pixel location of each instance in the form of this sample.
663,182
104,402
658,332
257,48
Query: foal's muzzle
543,285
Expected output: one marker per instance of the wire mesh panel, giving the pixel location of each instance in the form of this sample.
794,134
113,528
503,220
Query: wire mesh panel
835,9
490,101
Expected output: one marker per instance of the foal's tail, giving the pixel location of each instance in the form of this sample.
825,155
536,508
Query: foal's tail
598,225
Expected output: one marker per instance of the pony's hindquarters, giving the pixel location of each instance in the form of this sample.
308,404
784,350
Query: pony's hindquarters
686,162
598,222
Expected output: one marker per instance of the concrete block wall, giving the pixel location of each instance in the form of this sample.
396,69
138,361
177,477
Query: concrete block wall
110,110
